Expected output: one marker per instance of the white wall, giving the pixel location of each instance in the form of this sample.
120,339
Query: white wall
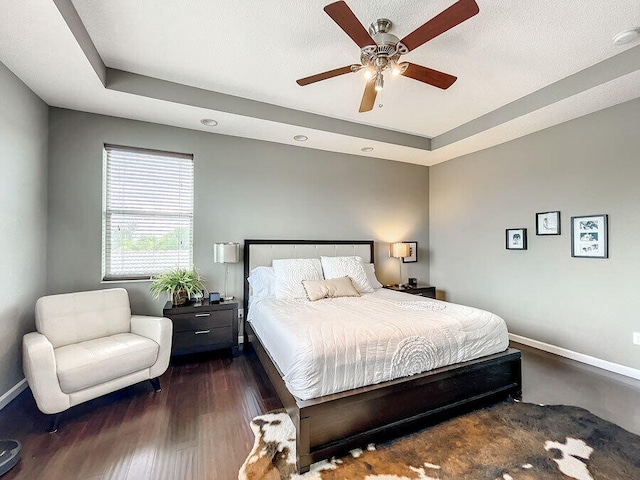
590,165
23,197
243,189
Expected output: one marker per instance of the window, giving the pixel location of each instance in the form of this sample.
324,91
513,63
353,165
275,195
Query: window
147,212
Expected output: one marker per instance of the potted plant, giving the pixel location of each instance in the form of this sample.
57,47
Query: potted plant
181,283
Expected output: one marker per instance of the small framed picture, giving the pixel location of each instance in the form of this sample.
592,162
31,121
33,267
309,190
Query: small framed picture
589,237
413,253
516,238
548,223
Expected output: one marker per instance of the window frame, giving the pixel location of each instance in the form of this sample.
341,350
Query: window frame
109,277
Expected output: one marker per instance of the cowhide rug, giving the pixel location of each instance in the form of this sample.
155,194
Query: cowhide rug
510,441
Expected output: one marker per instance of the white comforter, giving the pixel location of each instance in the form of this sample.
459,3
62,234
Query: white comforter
333,345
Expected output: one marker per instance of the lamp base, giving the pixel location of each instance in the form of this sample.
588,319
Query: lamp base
227,299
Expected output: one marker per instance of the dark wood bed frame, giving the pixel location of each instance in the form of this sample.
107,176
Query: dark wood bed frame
334,424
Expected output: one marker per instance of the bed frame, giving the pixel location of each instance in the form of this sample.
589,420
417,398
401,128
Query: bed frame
333,424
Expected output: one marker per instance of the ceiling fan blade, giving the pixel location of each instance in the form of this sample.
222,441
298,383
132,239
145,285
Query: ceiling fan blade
347,21
430,76
324,75
449,18
369,96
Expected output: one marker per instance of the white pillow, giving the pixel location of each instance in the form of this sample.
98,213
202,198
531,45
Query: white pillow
291,272
353,267
263,282
371,274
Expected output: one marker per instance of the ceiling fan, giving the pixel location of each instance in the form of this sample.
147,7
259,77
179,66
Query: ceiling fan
380,50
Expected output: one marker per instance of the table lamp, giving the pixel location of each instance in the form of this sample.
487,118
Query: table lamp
400,250
226,253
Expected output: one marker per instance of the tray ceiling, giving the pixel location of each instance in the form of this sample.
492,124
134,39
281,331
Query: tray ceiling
521,67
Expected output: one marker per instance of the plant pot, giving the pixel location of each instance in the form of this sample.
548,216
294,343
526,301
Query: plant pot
180,297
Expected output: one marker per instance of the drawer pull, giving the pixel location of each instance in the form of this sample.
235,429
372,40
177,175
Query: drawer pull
203,314
202,332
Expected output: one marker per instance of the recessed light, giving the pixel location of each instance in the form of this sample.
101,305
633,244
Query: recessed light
625,37
301,138
366,149
208,122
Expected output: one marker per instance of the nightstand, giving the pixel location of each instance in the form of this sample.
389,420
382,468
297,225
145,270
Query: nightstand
421,290
203,326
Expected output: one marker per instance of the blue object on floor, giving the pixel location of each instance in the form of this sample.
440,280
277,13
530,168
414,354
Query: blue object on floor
9,454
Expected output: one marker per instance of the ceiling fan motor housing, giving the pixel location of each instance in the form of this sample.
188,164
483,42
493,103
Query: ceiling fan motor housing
387,49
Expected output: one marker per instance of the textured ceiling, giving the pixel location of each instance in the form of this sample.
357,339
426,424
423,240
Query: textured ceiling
256,50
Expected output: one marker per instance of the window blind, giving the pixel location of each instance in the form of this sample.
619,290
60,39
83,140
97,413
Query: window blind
148,212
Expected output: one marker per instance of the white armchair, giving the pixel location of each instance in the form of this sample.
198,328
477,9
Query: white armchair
88,344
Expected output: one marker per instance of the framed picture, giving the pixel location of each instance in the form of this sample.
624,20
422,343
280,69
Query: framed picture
516,238
548,223
589,238
413,253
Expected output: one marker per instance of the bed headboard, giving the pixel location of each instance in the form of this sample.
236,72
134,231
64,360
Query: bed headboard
259,253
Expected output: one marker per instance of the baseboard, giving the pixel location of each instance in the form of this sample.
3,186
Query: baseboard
579,357
16,390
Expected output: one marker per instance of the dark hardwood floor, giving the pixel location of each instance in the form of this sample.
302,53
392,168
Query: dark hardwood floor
551,380
198,426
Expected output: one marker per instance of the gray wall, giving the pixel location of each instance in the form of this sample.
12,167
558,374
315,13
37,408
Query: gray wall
243,189
23,196
586,166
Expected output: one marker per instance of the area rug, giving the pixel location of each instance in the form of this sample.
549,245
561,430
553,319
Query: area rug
507,441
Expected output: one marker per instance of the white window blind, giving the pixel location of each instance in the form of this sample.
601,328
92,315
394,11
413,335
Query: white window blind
148,212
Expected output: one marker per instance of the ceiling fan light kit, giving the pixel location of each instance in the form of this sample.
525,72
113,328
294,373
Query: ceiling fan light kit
379,85
380,50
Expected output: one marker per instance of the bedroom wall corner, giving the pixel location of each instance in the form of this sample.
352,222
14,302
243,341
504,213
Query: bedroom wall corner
23,216
582,167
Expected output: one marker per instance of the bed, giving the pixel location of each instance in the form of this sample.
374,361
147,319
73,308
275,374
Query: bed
356,414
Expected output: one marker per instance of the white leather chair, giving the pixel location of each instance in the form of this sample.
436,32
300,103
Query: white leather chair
88,344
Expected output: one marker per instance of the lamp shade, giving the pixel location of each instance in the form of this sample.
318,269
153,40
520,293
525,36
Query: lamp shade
400,250
226,252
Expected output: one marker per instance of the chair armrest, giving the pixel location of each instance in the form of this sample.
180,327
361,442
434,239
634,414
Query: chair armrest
39,364
157,329
160,330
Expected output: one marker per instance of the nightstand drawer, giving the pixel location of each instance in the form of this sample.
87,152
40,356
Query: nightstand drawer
428,291
209,337
202,320
423,292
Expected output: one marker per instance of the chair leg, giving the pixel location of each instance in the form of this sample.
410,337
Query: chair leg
155,383
55,422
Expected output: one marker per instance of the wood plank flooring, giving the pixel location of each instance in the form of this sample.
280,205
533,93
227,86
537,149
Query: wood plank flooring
198,426
553,380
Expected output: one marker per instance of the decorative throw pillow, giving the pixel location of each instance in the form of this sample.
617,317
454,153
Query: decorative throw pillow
291,272
333,288
263,282
371,274
353,267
